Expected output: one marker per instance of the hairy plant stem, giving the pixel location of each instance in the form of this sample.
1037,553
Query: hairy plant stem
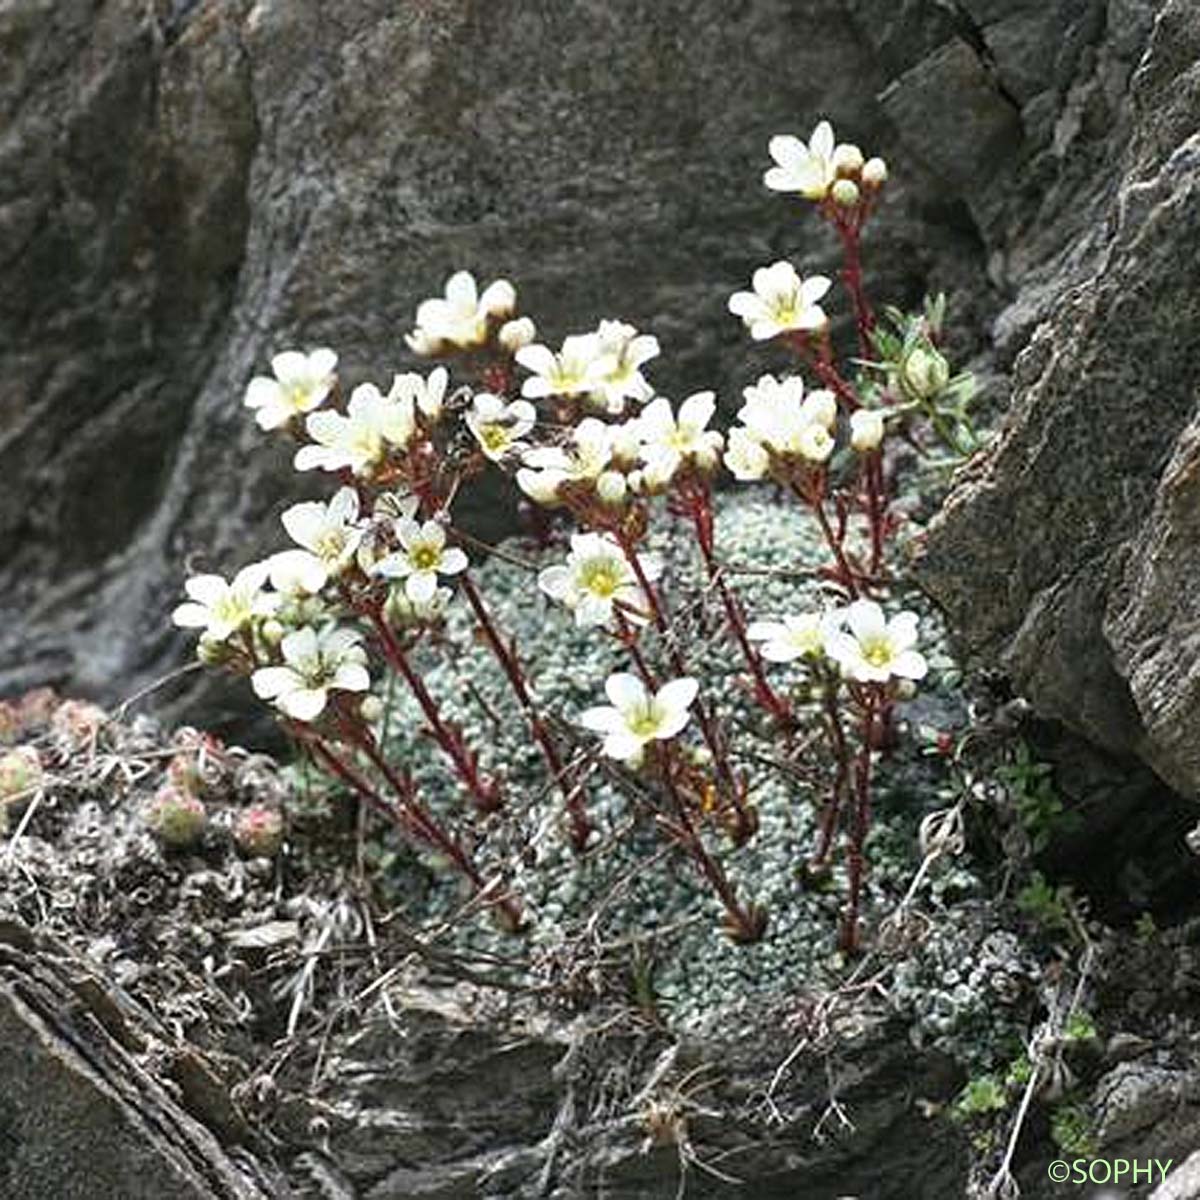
580,825
743,825
484,792
841,754
696,496
870,700
843,573
745,924
412,816
850,231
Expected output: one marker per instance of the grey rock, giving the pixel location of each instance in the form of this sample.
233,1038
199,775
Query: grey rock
1066,551
187,188
80,1115
1183,1183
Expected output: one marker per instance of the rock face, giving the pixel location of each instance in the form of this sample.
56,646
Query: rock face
1068,552
188,187
81,1116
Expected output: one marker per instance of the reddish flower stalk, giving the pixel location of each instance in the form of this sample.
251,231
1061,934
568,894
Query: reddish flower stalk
841,753
412,816
743,825
843,573
581,827
696,497
744,923
861,819
484,792
850,232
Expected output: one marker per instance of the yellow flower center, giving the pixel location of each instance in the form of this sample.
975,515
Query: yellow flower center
495,437
877,651
601,577
331,545
425,558
645,721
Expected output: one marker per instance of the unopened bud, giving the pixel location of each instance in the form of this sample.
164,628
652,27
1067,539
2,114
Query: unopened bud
175,817
258,832
845,193
211,652
611,487
874,173
515,335
924,372
371,709
866,429
501,299
847,160
20,772
905,689
273,631
815,443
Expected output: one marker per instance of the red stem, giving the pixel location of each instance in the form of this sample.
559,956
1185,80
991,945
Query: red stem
485,792
698,500
580,825
860,824
713,739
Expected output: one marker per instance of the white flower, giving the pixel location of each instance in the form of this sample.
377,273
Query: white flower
359,440
669,441
423,556
460,318
316,663
302,381
787,422
596,577
781,302
427,395
866,429
329,536
516,334
874,649
635,717
567,373
616,372
874,173
807,169
221,608
746,457
792,637
498,427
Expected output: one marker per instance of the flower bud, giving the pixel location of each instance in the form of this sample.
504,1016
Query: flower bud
845,193
611,488
501,299
924,372
20,772
371,709
515,335
815,443
874,173
906,689
273,631
866,429
847,160
258,832
175,817
211,652
820,407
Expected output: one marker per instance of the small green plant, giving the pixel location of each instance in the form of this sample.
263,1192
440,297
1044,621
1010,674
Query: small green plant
1030,784
1048,905
983,1095
1072,1129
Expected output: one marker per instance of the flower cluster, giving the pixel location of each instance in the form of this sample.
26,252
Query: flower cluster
581,430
